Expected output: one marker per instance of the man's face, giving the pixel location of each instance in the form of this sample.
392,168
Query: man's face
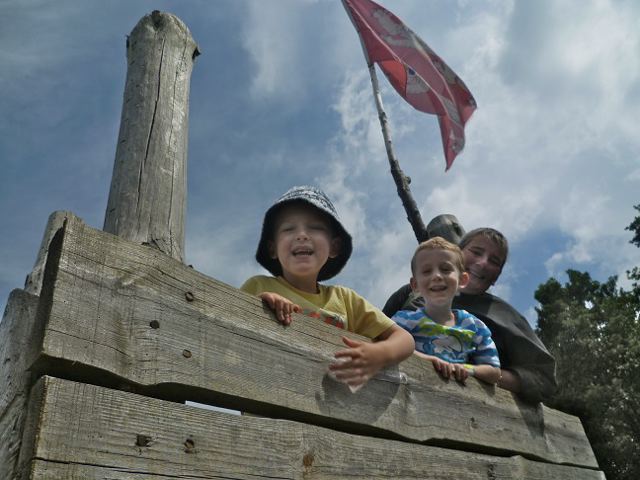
483,260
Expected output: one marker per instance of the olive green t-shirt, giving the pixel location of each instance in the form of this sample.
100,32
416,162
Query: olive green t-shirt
334,304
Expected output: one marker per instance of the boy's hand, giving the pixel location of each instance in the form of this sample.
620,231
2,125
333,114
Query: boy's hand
446,369
358,363
281,306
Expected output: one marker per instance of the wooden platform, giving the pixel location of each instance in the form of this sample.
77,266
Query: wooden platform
96,369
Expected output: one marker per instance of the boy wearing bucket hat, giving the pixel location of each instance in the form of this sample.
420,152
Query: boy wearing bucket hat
303,242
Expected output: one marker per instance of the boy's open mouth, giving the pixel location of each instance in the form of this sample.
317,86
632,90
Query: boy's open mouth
302,251
438,288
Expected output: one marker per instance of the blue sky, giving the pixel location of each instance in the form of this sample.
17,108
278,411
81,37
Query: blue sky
280,96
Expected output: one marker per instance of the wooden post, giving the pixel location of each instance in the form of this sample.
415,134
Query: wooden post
147,199
33,283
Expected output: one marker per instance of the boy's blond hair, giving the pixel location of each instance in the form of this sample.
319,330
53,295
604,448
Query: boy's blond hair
439,243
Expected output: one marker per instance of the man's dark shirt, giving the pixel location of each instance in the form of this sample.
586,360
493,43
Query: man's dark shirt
520,350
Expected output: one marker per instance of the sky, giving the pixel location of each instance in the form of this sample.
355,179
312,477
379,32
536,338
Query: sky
280,96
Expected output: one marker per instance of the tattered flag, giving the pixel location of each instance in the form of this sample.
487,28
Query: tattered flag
415,71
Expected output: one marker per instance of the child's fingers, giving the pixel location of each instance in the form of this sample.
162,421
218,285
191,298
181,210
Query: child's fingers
352,376
343,358
351,343
283,309
441,367
447,370
269,300
348,374
460,373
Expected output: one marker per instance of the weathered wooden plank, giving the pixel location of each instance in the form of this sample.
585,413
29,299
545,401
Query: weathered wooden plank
147,199
17,350
84,432
120,308
33,284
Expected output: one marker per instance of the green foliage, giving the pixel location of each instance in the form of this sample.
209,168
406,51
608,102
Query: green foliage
593,330
635,228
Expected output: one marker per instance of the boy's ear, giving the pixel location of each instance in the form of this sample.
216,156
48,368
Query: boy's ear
414,284
271,246
464,279
335,247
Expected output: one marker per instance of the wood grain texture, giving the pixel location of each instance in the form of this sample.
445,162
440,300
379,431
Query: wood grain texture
87,432
147,199
18,347
33,284
114,307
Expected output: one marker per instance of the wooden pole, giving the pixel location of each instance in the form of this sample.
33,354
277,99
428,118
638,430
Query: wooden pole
147,199
400,179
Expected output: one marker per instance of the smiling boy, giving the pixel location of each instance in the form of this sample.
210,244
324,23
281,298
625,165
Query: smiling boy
302,243
449,339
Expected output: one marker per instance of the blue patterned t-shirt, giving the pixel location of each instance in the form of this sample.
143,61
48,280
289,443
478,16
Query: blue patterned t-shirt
468,341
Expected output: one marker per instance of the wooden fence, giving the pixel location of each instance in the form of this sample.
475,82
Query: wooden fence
96,370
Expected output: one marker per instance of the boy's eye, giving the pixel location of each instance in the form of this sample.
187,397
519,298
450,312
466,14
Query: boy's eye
317,227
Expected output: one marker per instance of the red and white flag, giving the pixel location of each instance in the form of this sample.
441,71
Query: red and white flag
415,71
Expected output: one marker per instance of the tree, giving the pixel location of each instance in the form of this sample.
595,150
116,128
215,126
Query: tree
593,330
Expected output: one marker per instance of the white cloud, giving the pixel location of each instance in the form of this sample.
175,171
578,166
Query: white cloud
552,148
291,50
536,159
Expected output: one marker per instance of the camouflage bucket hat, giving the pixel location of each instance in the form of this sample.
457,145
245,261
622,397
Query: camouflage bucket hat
318,199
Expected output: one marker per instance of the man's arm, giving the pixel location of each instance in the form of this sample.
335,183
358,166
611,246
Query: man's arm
509,381
528,368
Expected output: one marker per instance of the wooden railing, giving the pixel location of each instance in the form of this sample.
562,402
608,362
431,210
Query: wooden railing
96,370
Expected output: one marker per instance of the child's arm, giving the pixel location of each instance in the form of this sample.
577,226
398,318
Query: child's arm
487,373
363,360
281,306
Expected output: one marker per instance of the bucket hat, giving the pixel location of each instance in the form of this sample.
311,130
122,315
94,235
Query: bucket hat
318,199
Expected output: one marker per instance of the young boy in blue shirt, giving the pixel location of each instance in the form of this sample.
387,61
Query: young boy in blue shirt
303,242
457,343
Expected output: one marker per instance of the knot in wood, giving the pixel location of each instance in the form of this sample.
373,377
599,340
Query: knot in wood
143,440
189,296
474,422
307,460
189,446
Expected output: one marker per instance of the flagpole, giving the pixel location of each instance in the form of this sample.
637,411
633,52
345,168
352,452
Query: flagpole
402,181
